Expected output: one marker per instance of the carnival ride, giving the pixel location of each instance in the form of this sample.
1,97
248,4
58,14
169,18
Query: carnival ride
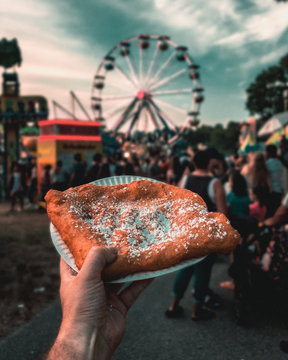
147,82
16,111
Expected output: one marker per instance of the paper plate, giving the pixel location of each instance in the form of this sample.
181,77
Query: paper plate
63,250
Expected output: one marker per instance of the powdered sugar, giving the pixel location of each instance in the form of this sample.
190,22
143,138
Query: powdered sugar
140,226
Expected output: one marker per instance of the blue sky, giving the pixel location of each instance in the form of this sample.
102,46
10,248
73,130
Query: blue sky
63,43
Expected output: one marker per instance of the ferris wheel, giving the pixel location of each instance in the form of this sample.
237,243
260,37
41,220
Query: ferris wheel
147,82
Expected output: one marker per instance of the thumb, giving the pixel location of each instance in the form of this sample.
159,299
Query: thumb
66,273
97,258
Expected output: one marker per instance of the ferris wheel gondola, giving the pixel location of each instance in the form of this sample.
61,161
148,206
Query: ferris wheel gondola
147,82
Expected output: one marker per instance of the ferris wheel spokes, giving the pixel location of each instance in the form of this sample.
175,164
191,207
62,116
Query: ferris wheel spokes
135,117
151,63
140,65
146,118
152,115
120,71
170,92
162,67
159,114
167,79
132,70
117,97
174,107
115,110
126,114
155,104
118,86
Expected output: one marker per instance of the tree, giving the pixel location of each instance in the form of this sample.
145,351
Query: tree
264,97
265,94
284,64
223,139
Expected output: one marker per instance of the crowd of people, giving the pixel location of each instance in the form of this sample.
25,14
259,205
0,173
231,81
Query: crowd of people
240,186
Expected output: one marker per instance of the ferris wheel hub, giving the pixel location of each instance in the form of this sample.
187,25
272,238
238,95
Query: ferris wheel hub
140,94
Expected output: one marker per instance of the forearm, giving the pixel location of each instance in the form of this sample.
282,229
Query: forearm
79,345
279,217
220,198
73,346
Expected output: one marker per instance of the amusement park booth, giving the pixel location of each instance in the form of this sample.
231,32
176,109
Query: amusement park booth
16,111
62,139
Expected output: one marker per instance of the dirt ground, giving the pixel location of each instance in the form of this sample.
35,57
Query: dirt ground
29,267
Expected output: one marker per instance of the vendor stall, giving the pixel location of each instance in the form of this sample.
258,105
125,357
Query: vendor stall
62,139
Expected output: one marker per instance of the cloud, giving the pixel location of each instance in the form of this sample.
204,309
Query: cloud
53,62
268,24
63,42
270,58
241,84
200,23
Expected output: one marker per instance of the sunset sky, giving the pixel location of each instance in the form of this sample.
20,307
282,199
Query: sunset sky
63,43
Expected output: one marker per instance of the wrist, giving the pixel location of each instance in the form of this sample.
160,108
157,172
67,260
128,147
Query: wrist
75,342
78,342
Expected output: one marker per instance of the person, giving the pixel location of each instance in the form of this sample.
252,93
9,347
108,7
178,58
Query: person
276,170
281,214
280,217
46,181
145,166
241,164
128,167
104,170
93,171
93,322
1,185
258,174
211,190
78,172
112,165
32,188
154,170
16,187
258,207
163,164
59,178
174,171
259,178
217,165
238,199
136,164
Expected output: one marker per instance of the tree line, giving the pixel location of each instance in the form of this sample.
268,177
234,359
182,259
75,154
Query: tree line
266,94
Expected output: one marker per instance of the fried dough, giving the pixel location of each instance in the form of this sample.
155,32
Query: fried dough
153,225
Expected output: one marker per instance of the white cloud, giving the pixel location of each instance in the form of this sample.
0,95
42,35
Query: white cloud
269,24
53,63
197,23
270,58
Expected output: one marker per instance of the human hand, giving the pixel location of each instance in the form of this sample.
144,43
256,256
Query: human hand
94,313
268,222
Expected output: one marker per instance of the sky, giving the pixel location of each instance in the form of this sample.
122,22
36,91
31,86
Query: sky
63,43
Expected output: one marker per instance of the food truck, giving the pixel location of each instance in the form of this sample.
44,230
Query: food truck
61,139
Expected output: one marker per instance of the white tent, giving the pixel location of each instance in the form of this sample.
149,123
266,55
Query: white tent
275,123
